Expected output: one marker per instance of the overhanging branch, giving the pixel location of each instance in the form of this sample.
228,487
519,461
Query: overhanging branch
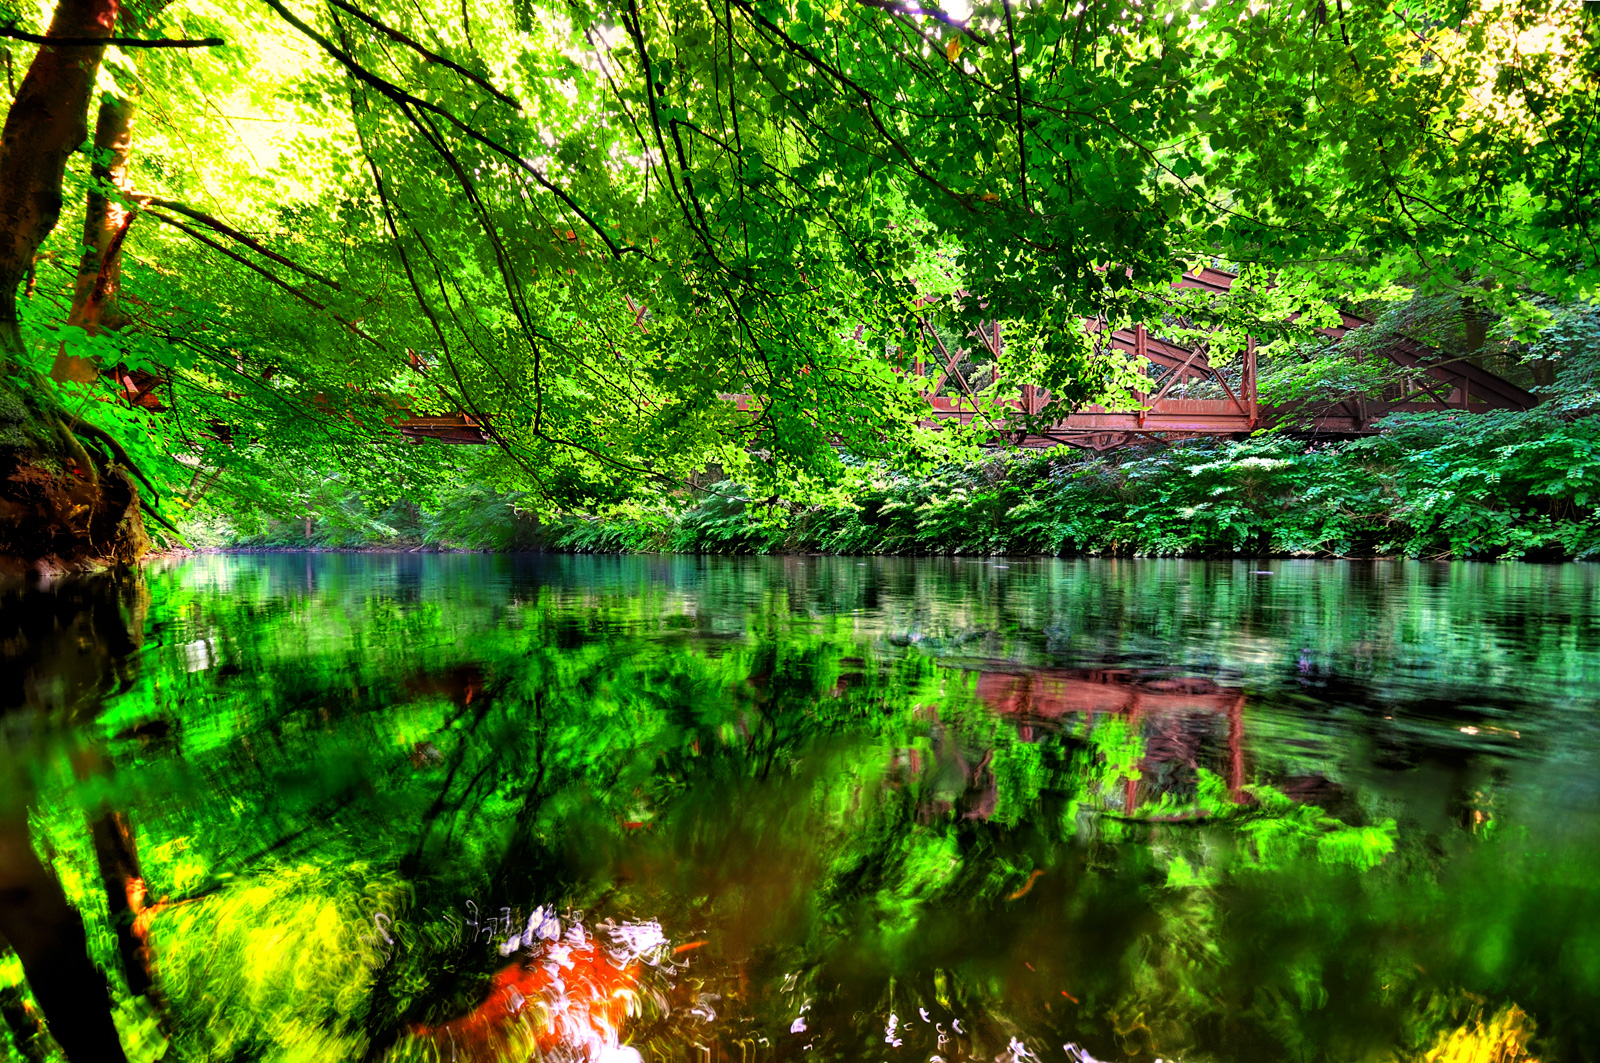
15,34
397,95
234,234
268,274
432,57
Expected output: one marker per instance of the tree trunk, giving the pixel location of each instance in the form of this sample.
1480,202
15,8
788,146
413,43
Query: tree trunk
1475,325
125,890
49,938
63,506
47,122
1475,322
95,293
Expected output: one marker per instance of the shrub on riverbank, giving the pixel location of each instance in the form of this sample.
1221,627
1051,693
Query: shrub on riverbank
1494,485
468,517
1481,486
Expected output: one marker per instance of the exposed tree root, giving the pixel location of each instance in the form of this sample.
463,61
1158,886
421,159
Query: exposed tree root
63,508
84,428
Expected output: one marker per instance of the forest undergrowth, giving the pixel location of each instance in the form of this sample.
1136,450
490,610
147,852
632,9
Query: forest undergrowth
1501,485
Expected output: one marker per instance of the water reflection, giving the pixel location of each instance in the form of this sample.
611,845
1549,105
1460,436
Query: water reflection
461,807
1177,720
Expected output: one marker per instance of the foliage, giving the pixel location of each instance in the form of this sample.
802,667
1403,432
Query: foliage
1479,486
1571,343
586,226
627,242
1502,1038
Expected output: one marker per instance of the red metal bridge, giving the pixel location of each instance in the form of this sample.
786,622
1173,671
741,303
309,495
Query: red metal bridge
1425,380
1187,394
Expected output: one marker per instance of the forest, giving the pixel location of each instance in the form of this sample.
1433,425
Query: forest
691,278
377,377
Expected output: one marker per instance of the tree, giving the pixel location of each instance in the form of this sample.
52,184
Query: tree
86,504
579,229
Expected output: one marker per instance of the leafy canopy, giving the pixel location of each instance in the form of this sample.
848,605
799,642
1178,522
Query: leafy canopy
585,225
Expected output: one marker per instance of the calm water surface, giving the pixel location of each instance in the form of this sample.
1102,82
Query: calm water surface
464,807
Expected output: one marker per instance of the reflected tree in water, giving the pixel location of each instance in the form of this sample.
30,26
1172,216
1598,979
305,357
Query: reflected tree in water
347,803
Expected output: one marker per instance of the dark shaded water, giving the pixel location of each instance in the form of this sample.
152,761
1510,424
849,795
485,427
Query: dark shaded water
466,807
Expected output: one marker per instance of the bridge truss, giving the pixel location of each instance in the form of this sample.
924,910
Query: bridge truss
1227,404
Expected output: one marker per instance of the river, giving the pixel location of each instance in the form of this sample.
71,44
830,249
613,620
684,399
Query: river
715,810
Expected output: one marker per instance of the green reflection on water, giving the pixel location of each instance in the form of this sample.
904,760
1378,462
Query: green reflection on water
890,810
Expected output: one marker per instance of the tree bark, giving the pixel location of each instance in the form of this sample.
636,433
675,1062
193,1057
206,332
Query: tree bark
49,938
95,303
47,122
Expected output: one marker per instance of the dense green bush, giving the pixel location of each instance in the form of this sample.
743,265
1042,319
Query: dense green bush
1513,485
462,517
1494,485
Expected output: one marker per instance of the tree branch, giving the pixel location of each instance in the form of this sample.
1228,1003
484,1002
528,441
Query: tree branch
432,57
398,95
8,30
213,223
273,277
937,15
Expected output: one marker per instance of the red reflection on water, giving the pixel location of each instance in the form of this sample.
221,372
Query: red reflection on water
562,995
1172,713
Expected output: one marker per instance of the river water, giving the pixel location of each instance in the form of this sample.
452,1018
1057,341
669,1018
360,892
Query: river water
715,810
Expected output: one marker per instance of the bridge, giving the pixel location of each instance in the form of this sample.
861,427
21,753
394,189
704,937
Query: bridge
1187,395
1428,381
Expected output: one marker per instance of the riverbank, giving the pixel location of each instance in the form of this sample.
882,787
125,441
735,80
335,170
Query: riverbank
1472,487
